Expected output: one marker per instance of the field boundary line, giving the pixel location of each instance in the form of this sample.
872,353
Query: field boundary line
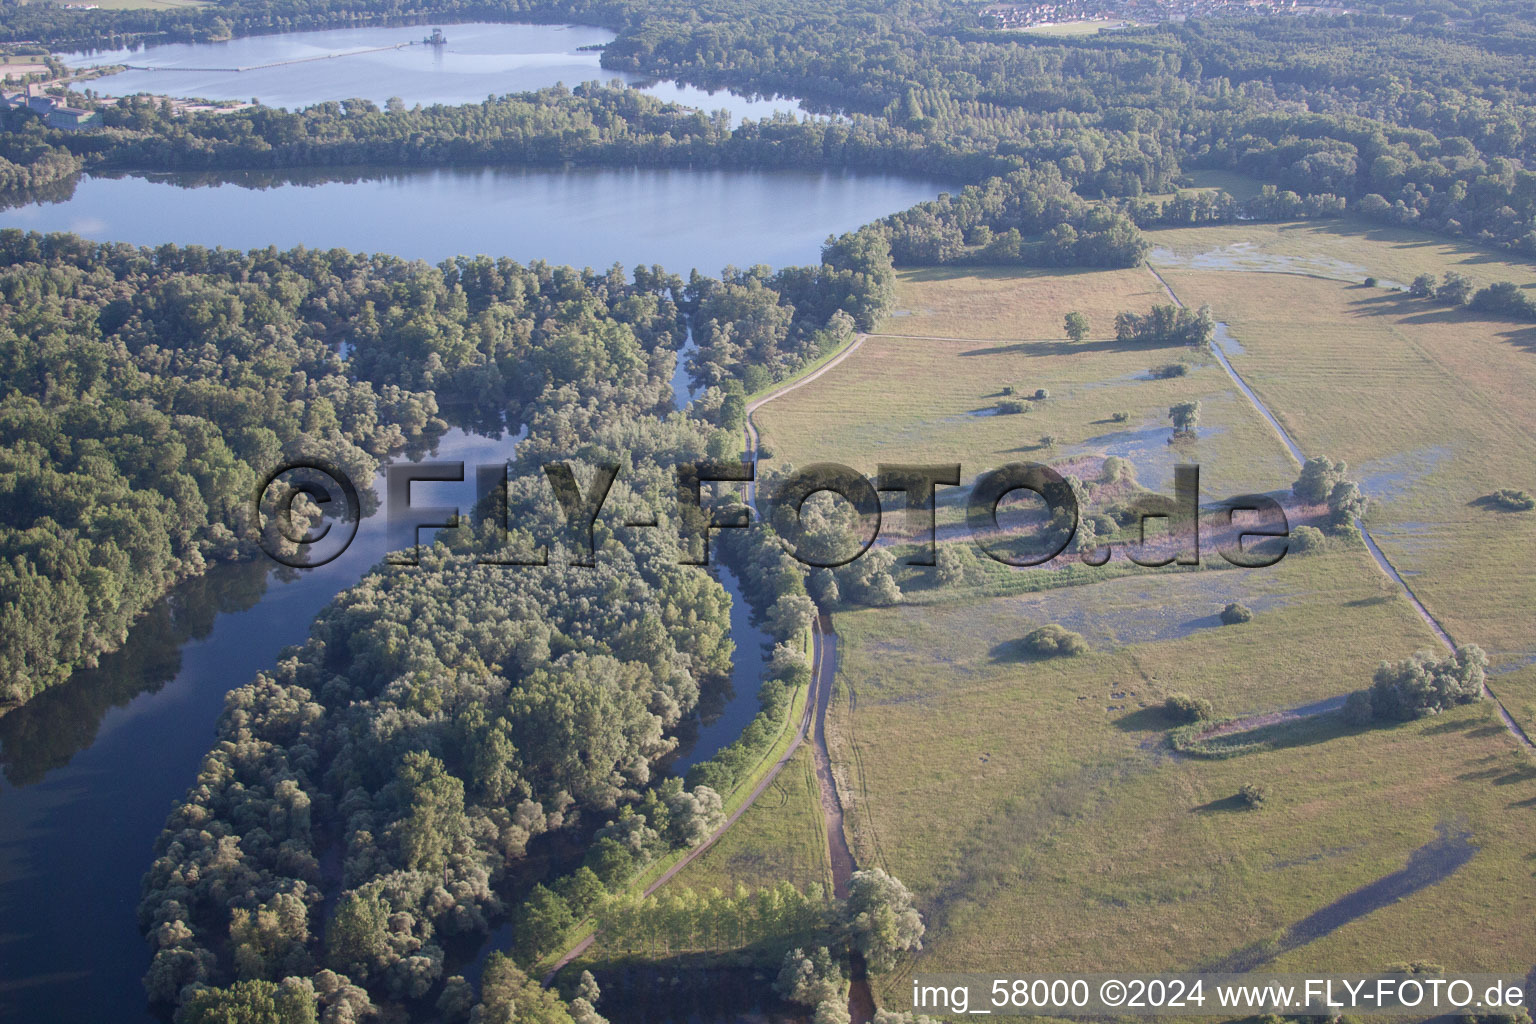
1377,554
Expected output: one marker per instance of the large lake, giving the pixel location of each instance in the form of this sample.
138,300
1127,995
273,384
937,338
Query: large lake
92,767
681,219
479,60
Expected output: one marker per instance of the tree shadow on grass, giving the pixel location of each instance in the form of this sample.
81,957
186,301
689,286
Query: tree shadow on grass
1501,775
1152,719
1225,805
1431,863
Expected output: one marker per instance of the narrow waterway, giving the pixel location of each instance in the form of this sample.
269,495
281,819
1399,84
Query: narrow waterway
92,767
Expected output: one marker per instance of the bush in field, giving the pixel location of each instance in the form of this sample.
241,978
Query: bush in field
1041,394
1425,685
1048,440
1181,707
1317,479
1008,390
1168,371
1252,795
1115,469
1011,407
1423,286
951,565
1511,500
1306,539
1055,641
1119,417
1504,299
1235,614
1370,282
1346,504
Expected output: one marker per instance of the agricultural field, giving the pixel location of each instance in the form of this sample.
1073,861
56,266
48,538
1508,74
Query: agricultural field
1033,805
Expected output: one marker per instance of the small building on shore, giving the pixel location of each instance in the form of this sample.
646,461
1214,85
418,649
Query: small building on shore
71,118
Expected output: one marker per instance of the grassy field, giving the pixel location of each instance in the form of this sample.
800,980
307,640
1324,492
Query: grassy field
1005,303
920,400
1032,805
1432,407
1344,249
781,838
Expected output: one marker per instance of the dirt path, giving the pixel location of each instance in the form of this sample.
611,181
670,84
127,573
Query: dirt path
1382,562
861,1000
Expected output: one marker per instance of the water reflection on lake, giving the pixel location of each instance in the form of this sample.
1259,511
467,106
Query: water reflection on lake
478,60
581,216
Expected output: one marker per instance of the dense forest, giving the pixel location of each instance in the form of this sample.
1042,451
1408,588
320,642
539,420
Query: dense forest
145,391
370,799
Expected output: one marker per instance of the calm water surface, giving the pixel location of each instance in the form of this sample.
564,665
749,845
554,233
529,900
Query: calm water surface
681,219
479,60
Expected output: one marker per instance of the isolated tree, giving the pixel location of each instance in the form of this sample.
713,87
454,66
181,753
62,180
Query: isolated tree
1306,539
1076,326
1185,416
1453,290
1318,478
